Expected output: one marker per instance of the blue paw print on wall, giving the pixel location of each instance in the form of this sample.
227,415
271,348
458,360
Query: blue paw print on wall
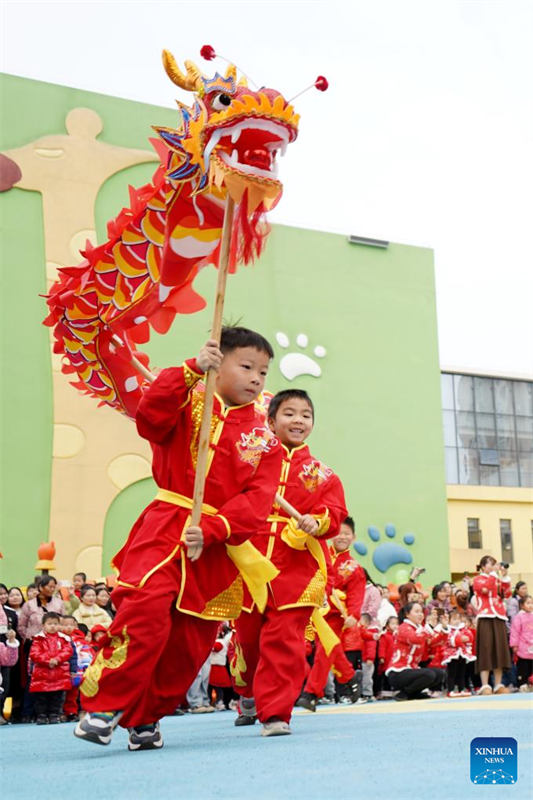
387,554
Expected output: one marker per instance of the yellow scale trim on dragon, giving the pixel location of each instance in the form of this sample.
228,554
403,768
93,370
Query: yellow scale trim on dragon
93,673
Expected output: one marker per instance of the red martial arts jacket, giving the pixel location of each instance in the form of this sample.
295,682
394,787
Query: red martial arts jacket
242,478
311,488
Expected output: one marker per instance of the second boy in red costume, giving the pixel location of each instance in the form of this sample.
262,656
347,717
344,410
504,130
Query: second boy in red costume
269,661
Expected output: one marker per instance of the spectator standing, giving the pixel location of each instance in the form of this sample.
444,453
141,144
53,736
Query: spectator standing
521,642
50,654
491,587
513,604
88,612
30,620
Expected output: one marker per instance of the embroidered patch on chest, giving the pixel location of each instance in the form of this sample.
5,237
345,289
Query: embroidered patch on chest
347,567
313,474
251,446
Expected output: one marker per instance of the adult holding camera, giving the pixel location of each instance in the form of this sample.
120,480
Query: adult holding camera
491,587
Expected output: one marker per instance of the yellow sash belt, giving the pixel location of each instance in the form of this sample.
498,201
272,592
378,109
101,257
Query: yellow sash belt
299,540
256,570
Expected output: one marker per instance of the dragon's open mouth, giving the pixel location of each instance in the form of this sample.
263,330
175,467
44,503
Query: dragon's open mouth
250,146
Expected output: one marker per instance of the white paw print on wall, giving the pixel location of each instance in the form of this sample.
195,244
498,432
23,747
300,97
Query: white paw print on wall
294,364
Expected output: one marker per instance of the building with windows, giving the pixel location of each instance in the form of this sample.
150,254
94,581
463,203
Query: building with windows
488,439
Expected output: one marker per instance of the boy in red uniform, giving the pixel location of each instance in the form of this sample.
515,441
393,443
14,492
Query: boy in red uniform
168,605
269,663
345,600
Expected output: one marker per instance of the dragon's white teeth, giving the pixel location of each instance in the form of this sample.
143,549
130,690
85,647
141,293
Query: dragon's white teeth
164,292
235,135
283,148
235,156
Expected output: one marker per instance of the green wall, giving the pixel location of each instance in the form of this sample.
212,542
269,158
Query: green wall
378,399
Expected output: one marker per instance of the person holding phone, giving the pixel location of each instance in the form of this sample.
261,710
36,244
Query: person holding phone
491,587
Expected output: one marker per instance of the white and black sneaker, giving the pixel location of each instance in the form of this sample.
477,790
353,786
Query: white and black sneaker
98,727
145,737
275,727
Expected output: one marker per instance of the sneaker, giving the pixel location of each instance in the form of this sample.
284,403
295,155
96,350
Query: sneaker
247,712
401,696
456,693
501,689
465,693
220,705
484,690
523,688
42,719
145,737
345,701
54,719
360,702
350,689
244,719
275,727
97,727
202,710
307,700
233,705
326,701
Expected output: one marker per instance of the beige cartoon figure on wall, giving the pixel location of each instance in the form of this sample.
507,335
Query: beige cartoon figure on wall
69,170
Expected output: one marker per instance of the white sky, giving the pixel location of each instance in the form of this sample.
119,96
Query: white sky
424,136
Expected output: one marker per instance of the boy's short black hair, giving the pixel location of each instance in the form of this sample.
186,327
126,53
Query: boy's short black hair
82,575
350,523
233,337
69,616
288,394
50,615
83,628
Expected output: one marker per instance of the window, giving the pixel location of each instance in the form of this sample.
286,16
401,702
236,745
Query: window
488,430
506,536
474,534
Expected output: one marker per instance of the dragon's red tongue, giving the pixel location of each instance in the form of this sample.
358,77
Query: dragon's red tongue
258,157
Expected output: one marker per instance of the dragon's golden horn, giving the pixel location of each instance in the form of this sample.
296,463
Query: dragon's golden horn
243,81
231,72
191,81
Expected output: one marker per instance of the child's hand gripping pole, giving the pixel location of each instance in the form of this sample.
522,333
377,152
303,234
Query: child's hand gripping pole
194,549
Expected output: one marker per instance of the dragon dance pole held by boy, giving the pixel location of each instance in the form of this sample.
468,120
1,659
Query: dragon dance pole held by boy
269,662
169,606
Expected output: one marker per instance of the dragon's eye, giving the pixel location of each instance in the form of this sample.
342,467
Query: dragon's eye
221,101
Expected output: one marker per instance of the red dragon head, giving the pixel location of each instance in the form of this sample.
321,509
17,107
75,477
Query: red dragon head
231,136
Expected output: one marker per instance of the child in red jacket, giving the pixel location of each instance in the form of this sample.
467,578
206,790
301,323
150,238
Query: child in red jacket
370,635
385,651
50,654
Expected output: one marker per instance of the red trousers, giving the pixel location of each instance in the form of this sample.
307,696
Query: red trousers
165,651
336,660
273,647
70,706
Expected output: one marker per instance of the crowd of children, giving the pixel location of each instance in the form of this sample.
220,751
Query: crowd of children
275,543
44,651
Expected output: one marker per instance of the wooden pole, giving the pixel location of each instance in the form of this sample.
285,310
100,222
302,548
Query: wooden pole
205,428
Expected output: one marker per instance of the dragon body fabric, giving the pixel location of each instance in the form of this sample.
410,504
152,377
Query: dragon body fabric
102,309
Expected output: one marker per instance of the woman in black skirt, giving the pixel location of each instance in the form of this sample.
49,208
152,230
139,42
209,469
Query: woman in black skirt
491,586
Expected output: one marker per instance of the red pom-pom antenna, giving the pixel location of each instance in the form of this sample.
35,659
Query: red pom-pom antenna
208,52
321,84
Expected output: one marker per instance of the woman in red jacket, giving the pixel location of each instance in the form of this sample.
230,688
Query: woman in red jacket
404,672
50,655
491,586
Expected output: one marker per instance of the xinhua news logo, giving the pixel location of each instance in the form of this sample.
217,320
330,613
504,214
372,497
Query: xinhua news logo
493,760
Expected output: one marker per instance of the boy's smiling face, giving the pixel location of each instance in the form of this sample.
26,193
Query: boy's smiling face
242,374
293,421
